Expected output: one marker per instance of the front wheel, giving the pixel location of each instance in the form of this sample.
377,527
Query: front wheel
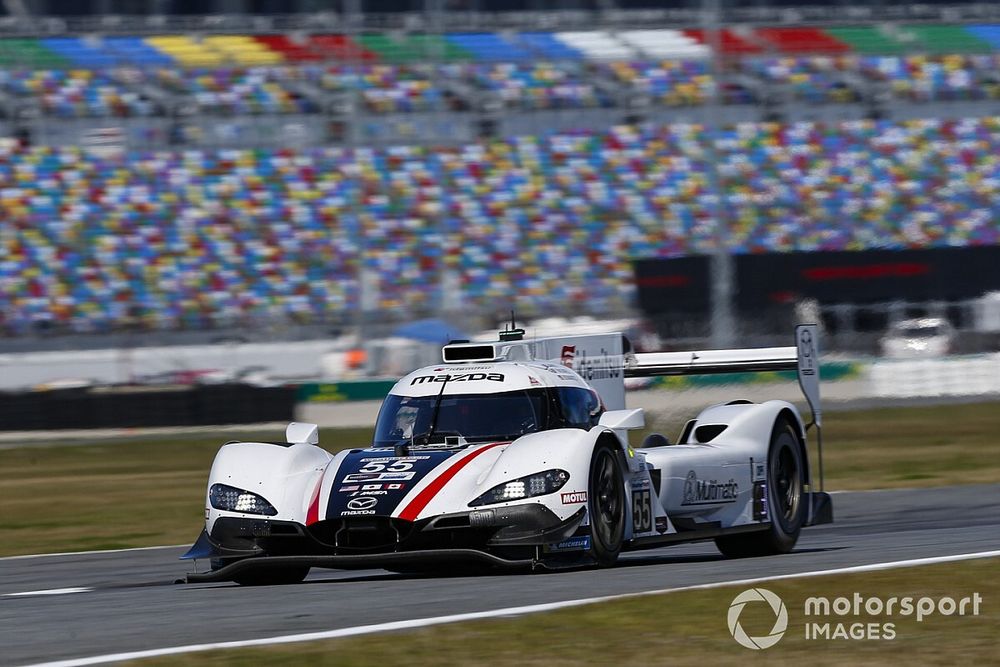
606,506
785,500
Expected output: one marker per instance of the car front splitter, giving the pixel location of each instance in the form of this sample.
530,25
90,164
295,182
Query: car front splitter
429,557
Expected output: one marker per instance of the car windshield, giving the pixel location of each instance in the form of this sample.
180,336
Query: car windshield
475,417
920,331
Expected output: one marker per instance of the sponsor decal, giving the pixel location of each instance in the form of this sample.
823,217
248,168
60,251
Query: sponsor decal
365,503
642,511
458,377
533,380
578,543
356,512
638,482
703,492
379,477
758,471
661,524
600,367
395,476
574,497
393,462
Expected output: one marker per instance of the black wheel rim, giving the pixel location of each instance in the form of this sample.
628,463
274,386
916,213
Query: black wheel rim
607,500
787,484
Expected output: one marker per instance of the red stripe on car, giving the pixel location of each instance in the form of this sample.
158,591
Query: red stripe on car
312,516
417,505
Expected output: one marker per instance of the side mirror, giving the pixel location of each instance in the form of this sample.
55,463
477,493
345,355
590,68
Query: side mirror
623,419
300,432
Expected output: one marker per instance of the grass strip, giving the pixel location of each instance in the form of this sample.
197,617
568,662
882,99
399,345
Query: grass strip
688,628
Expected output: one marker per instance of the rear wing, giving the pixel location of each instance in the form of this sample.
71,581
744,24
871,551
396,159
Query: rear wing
803,357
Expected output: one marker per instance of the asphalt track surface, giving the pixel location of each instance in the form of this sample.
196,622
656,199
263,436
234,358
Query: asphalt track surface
131,602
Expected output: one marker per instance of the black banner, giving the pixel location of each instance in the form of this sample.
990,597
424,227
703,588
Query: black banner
766,282
873,276
123,407
678,284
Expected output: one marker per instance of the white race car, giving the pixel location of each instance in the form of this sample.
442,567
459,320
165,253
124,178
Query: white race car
516,453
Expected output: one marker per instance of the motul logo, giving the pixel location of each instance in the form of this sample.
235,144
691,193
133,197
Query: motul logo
574,497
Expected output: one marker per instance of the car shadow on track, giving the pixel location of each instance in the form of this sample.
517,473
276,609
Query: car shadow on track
628,561
640,560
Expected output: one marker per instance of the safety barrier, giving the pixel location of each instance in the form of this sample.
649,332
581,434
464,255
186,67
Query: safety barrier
953,376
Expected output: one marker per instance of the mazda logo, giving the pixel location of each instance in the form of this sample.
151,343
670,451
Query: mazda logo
365,503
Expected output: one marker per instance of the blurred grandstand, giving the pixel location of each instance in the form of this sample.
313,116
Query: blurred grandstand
235,174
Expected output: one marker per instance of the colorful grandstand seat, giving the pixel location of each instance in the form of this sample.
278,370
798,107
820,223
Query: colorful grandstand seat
292,51
207,238
730,42
340,47
486,46
547,47
540,85
596,45
135,51
668,82
661,44
868,40
944,39
800,40
412,48
79,52
989,34
186,51
28,53
242,50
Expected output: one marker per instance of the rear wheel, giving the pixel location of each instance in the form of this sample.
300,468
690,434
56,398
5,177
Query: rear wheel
785,500
606,505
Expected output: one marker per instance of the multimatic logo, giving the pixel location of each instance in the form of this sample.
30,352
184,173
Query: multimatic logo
458,377
599,367
701,492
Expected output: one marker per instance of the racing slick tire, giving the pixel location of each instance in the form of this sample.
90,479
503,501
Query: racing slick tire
785,500
272,576
606,505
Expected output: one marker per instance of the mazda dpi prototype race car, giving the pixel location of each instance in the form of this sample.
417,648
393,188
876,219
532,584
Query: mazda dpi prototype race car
516,453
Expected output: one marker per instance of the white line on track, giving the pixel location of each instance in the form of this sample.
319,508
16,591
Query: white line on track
50,591
95,552
493,613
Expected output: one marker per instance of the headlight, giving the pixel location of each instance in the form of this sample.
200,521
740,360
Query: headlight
538,484
231,499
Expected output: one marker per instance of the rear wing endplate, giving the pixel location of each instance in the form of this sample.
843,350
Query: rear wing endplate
803,357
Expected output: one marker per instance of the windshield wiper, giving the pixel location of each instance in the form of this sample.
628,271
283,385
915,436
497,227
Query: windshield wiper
437,408
425,437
